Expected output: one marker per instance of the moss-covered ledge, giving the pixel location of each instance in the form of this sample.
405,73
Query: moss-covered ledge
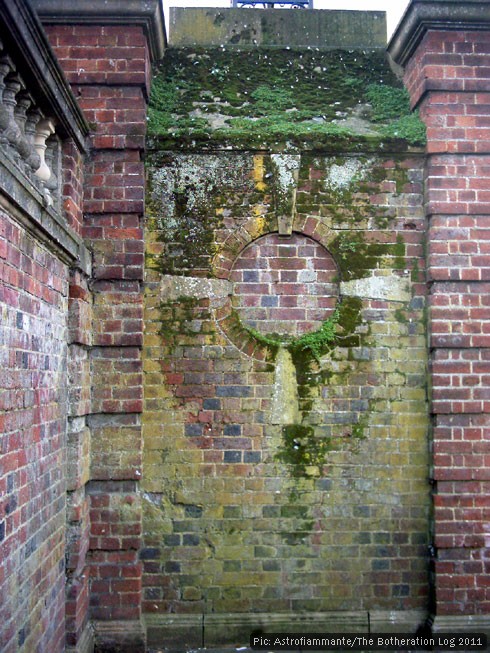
280,99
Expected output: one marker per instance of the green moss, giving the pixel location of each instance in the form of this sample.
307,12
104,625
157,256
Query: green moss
392,105
408,128
309,345
356,257
269,96
318,341
400,316
388,102
399,253
272,342
415,273
176,319
301,448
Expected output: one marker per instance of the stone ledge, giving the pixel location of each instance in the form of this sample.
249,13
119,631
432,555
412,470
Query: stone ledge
119,637
471,623
424,15
85,643
25,203
147,14
180,631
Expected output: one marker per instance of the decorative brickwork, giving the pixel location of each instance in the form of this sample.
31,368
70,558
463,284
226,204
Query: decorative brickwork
109,75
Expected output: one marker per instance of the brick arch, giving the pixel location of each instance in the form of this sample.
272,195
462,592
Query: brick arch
287,311
254,228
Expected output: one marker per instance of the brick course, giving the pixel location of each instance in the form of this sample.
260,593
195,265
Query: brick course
110,77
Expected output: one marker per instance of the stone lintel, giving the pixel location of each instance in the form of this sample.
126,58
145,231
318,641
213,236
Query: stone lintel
27,44
294,28
147,14
441,15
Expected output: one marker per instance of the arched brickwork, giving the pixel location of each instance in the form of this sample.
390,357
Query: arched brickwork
256,227
282,286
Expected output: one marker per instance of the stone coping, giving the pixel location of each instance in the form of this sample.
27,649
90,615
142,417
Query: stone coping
424,15
181,632
148,14
294,28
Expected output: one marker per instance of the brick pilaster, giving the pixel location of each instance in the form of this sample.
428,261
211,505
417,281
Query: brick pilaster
105,52
444,48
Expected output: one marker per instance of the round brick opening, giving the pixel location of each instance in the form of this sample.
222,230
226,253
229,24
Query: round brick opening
283,285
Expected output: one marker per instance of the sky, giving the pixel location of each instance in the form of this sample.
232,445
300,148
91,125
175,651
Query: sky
394,8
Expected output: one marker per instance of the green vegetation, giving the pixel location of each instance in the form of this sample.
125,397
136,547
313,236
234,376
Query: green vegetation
387,102
409,128
317,342
337,330
392,106
301,449
356,257
207,97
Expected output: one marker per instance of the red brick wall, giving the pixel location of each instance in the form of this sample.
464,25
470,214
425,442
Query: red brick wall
449,79
108,68
33,304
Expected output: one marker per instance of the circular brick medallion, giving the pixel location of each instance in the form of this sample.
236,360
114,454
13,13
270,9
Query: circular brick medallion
285,286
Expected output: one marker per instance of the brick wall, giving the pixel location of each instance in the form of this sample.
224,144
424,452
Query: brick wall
447,76
239,517
33,409
285,285
109,76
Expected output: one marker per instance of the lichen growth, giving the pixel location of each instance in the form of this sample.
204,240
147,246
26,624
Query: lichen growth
184,207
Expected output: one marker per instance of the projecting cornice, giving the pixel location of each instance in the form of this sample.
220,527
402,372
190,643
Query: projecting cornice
148,14
424,15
